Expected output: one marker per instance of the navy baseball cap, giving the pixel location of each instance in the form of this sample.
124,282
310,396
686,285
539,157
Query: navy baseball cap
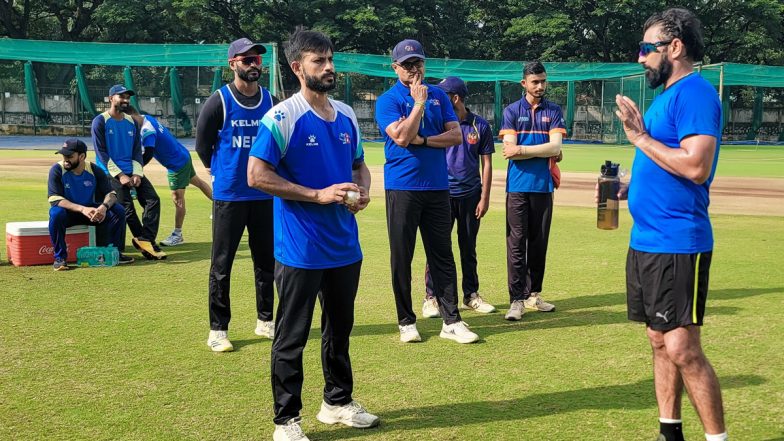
407,49
118,89
71,146
244,45
453,85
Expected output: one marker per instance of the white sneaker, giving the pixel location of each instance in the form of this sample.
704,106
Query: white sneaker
458,332
430,308
265,329
291,431
219,341
536,303
409,333
172,240
478,304
516,311
351,414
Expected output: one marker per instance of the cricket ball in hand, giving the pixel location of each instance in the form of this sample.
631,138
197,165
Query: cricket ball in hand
351,197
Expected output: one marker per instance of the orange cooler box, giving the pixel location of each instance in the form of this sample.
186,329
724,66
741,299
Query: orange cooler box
28,243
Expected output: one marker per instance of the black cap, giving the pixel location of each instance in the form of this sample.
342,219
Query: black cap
244,45
71,146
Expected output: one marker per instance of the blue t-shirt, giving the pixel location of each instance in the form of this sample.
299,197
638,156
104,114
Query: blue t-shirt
117,146
533,126
412,167
88,188
462,160
166,149
309,151
671,213
229,165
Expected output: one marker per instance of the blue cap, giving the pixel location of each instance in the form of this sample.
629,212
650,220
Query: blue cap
118,89
71,146
408,49
453,85
244,45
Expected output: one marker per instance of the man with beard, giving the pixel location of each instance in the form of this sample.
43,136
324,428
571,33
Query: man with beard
119,152
75,189
532,130
309,154
677,149
225,131
418,124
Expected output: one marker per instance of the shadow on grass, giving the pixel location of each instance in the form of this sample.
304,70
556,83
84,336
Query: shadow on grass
239,344
613,299
492,324
637,395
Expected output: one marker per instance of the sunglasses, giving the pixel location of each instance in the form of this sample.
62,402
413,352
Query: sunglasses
248,60
410,65
646,48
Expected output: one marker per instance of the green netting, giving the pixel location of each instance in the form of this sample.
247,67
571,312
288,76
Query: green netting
129,54
128,82
177,101
217,79
31,90
84,94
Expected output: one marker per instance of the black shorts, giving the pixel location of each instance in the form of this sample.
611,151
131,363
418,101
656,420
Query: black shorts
667,291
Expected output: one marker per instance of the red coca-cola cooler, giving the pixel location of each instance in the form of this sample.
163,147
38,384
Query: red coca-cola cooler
28,243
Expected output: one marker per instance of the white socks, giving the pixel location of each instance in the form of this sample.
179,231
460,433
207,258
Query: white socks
719,437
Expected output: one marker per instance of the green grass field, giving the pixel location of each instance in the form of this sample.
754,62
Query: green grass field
120,353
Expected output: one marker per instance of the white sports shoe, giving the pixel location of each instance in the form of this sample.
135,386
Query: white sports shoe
291,431
478,304
172,240
458,332
430,308
265,329
516,311
409,333
535,302
351,414
218,341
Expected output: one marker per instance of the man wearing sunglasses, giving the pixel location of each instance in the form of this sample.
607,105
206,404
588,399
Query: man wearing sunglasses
223,145
418,124
671,243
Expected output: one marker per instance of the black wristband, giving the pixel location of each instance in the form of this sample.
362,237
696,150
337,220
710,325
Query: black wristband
424,142
106,205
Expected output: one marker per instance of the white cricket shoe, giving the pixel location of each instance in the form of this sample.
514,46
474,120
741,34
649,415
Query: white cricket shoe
536,303
516,311
265,329
218,341
290,431
430,308
478,304
409,333
172,240
458,332
351,414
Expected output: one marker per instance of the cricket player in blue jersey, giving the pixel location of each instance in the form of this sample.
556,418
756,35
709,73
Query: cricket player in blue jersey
80,194
225,131
119,152
671,247
159,143
309,154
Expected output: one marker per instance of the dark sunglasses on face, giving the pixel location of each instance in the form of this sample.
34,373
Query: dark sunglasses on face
646,48
410,65
248,60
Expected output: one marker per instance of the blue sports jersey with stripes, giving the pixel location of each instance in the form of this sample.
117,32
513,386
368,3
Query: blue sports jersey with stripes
166,149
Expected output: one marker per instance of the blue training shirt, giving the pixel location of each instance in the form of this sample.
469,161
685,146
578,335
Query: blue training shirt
414,167
229,165
88,188
670,212
166,149
463,159
310,151
533,126
117,145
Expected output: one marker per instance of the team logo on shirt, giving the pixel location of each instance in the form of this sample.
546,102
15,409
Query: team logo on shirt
345,138
130,132
472,137
111,131
434,102
88,183
545,119
312,142
279,115
67,185
523,119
